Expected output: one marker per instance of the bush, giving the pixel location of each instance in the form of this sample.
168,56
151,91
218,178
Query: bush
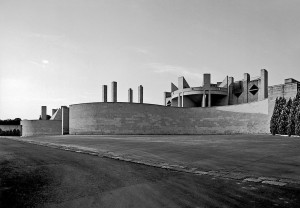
15,132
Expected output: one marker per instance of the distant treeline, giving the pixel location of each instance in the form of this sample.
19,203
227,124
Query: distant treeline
15,132
286,116
16,121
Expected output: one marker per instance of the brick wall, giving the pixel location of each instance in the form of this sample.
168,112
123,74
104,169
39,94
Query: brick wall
134,118
41,127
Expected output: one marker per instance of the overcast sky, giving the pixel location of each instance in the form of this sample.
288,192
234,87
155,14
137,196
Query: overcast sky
60,52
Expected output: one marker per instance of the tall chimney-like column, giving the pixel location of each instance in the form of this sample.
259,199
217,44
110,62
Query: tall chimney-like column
114,92
141,94
246,86
44,113
130,95
65,120
263,92
206,80
104,93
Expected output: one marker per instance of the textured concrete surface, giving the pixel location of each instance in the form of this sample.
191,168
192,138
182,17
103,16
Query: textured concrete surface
41,127
133,118
65,120
263,157
283,90
35,176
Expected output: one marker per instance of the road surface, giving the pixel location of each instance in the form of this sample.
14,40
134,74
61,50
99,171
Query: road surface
37,176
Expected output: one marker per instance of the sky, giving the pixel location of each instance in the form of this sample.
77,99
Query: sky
61,52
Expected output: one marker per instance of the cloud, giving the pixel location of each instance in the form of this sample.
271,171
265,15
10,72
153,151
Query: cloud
45,36
176,70
141,50
42,63
45,61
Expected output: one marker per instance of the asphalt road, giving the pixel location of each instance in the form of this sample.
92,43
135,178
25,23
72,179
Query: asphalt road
36,176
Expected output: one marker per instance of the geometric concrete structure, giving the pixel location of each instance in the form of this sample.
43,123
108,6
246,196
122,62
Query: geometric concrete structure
65,120
56,115
206,109
140,94
104,93
53,111
44,113
114,92
227,92
287,90
130,95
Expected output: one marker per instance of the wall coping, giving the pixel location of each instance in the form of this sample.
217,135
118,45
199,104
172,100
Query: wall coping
213,107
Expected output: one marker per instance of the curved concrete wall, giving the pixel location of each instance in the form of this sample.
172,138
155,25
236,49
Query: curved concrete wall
41,127
133,118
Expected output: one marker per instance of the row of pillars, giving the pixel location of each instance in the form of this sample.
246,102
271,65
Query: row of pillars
205,96
114,93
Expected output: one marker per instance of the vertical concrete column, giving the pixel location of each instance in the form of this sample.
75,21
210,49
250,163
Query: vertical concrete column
44,112
179,100
114,92
104,93
141,94
130,95
230,90
182,100
209,98
204,99
263,91
206,80
53,111
245,86
65,120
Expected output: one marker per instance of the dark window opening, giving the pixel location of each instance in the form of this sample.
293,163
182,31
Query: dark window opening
253,90
238,94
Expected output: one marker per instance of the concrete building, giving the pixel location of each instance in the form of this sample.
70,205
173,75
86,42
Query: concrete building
227,107
227,92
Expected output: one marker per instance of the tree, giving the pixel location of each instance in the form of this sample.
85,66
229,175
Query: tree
291,119
18,132
16,121
284,115
297,121
274,118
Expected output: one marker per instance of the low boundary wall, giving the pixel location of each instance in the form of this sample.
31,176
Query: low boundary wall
135,118
41,127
